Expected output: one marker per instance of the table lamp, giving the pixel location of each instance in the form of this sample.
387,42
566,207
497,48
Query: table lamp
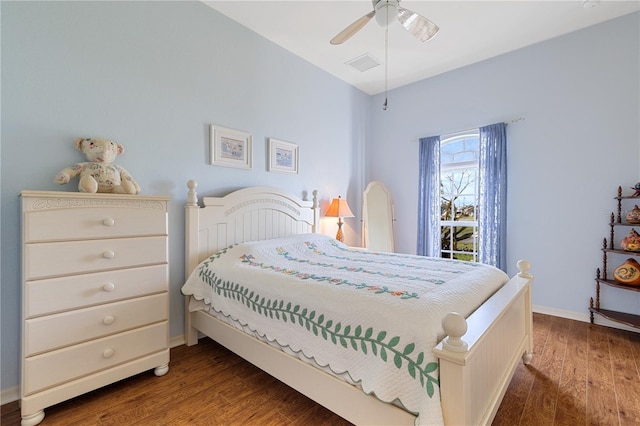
339,208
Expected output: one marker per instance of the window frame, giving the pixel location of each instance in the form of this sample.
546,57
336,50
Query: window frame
450,253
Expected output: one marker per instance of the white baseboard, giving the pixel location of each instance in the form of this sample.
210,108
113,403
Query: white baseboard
9,395
176,341
582,317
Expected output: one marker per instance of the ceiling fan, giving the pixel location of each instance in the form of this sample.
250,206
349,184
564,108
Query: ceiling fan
385,11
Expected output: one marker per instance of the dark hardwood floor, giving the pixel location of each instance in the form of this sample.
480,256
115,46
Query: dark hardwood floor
581,374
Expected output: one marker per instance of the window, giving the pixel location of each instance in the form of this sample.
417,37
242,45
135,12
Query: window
459,155
450,174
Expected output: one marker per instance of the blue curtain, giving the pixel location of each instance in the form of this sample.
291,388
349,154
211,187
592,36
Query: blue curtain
492,199
429,197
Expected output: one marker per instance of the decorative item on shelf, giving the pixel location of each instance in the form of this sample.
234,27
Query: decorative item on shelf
633,216
636,188
339,208
628,273
631,242
99,174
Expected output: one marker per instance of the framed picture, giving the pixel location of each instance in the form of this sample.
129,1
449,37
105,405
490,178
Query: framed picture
230,148
283,156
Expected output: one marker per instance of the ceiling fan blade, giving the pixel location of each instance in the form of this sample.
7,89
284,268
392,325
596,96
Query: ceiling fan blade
348,32
419,26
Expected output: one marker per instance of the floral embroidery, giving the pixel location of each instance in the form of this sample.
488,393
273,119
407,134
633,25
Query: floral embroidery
250,260
374,254
286,255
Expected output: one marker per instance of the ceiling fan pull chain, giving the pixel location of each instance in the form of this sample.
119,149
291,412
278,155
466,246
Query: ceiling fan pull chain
386,63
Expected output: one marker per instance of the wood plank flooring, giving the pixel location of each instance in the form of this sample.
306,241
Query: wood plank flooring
581,374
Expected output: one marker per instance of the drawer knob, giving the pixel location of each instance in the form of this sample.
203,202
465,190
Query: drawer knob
108,320
109,287
109,254
108,353
108,222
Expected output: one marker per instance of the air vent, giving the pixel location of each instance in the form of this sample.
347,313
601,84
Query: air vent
364,62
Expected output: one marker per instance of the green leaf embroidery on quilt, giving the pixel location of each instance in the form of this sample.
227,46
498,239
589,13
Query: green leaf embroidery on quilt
347,337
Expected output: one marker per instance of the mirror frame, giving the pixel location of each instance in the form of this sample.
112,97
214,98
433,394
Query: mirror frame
390,214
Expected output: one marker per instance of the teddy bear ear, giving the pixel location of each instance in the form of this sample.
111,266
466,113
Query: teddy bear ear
120,148
78,142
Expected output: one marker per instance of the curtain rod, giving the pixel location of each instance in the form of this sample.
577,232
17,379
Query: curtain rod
459,132
515,120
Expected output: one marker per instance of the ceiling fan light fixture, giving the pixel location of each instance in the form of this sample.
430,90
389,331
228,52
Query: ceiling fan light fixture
386,12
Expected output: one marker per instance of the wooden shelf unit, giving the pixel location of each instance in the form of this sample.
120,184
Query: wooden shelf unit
609,247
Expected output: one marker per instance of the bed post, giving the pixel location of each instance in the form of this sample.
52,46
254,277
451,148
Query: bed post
316,213
478,368
523,267
191,254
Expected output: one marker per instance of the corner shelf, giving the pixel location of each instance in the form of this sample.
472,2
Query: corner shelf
629,319
632,320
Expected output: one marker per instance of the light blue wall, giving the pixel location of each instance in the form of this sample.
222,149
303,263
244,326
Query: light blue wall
153,76
579,96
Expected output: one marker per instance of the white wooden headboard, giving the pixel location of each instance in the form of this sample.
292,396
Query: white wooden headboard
248,214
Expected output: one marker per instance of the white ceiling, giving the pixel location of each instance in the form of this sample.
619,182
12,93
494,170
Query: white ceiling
470,31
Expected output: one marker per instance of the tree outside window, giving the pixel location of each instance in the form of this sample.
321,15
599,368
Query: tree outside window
458,196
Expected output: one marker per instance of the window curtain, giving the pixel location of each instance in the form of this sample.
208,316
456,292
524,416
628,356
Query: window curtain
492,199
429,197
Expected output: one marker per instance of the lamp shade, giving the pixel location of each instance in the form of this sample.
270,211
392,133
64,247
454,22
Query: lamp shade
339,208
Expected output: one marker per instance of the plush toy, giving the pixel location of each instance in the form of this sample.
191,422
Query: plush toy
99,174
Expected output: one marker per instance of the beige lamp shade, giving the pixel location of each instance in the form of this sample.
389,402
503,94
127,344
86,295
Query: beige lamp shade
339,208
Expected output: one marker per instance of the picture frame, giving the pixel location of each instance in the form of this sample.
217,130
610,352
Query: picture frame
283,156
230,148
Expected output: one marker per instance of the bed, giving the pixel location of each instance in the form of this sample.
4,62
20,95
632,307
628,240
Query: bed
475,353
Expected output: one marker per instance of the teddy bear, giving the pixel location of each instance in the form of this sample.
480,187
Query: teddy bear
99,174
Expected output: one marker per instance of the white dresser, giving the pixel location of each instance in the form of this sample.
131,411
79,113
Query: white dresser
95,306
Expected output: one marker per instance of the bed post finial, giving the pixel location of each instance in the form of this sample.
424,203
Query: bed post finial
523,267
455,326
316,212
192,195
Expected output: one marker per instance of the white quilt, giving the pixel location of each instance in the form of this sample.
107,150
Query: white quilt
375,316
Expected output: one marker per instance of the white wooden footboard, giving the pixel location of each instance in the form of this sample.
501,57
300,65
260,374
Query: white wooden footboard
478,359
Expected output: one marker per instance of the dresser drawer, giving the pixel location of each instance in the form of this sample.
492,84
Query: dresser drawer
47,260
56,331
78,291
80,223
53,368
